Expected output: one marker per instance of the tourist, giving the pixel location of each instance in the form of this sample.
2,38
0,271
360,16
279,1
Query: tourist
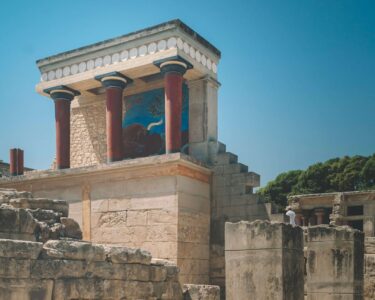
291,214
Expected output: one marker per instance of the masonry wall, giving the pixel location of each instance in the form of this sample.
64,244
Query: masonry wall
62,269
263,261
161,204
334,263
88,144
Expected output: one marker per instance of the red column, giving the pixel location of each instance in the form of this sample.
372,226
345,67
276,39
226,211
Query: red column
62,121
20,162
62,96
173,110
13,162
319,213
114,123
114,84
173,69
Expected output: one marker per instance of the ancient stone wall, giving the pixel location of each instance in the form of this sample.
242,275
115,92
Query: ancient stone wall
369,269
263,260
334,263
67,269
88,144
232,201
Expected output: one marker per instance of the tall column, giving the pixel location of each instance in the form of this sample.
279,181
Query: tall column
62,96
173,70
114,84
13,162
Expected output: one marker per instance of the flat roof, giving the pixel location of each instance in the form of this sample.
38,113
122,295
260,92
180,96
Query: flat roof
134,35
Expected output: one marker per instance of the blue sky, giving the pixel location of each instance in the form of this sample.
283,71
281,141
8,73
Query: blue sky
298,77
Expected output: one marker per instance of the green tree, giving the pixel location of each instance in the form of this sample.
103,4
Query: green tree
335,175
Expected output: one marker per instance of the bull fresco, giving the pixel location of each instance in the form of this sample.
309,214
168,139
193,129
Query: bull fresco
144,123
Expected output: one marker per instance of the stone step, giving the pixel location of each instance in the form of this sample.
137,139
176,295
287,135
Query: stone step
225,158
222,147
249,179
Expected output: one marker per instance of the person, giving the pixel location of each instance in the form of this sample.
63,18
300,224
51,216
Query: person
292,215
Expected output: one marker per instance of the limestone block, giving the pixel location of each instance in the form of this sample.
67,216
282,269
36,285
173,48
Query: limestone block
193,250
60,206
334,262
58,268
168,216
370,245
14,267
121,255
74,288
20,249
118,289
162,233
17,221
76,250
171,268
193,234
120,234
136,217
158,273
25,289
263,252
201,292
71,228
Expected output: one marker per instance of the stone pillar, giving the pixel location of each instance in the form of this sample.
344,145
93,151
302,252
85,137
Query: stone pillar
203,133
13,162
264,260
114,84
319,213
62,96
173,70
334,263
305,218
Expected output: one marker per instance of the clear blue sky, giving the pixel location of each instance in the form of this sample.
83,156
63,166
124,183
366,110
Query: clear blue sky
298,77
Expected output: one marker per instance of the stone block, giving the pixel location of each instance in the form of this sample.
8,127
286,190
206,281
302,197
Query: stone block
118,289
14,267
20,249
75,250
25,289
201,292
136,217
121,255
162,216
334,262
71,228
263,252
17,221
60,206
82,288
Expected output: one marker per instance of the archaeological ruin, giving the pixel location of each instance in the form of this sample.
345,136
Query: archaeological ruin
143,201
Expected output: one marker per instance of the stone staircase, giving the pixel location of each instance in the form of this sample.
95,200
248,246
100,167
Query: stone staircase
233,200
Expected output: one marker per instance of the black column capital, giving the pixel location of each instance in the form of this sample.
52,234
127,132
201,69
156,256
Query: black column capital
114,79
175,64
62,92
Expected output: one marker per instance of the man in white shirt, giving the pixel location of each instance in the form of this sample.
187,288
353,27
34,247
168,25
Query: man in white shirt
292,215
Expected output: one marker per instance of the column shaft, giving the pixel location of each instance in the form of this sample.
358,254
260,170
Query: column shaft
114,123
62,120
173,111
13,162
20,162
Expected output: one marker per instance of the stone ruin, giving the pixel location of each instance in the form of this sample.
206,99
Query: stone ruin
139,166
43,257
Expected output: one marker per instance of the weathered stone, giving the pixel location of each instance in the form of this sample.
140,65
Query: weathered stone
14,267
263,260
25,289
47,216
121,255
171,267
334,262
71,228
56,231
59,206
201,292
76,250
20,249
14,220
83,288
